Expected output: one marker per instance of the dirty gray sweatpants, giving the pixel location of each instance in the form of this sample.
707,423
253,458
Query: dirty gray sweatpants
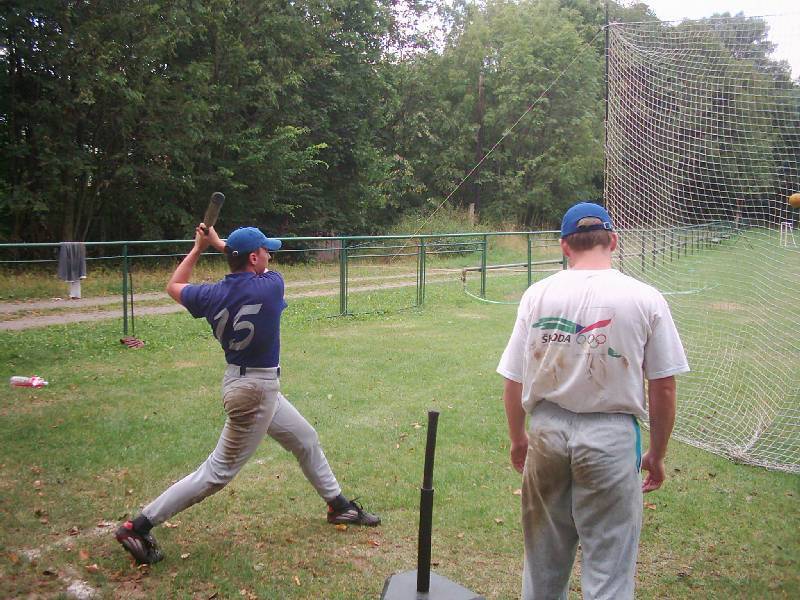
581,482
254,407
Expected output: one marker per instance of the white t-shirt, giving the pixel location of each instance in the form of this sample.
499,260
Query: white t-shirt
586,339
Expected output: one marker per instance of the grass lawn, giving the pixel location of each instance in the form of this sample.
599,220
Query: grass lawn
116,426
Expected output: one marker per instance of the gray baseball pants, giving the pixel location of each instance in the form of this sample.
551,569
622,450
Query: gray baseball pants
255,408
581,482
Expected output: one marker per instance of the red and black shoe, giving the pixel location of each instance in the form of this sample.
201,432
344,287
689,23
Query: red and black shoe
354,514
142,547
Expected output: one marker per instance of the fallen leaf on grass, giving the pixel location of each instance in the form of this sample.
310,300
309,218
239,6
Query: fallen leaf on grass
185,555
44,520
247,594
73,531
499,521
341,527
169,525
13,558
375,543
518,492
460,535
37,484
649,506
83,555
259,567
93,568
296,580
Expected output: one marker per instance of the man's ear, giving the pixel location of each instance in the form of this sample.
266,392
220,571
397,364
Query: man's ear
252,258
565,249
614,241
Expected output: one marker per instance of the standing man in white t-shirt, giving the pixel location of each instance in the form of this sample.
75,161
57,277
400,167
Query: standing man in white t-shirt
583,343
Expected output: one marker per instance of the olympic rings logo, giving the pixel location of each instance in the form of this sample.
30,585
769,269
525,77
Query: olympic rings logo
592,340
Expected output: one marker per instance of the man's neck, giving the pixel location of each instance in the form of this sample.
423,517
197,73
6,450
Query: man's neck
597,258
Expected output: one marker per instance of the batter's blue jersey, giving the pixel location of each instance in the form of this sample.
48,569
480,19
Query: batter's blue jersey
244,311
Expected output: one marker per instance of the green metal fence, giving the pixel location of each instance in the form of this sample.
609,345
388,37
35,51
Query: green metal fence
420,257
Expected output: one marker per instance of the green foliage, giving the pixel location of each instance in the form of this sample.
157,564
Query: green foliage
497,62
122,117
117,119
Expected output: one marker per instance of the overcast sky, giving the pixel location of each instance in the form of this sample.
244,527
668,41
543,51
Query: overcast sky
783,17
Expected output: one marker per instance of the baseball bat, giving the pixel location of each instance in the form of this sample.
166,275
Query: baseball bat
212,212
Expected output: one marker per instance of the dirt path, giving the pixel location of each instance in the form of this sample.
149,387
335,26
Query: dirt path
110,307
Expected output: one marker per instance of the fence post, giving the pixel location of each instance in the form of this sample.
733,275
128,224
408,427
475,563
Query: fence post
421,273
643,250
671,243
343,277
483,265
124,289
530,260
655,248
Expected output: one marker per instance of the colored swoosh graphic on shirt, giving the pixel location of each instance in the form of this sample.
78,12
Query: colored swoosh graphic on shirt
597,325
566,325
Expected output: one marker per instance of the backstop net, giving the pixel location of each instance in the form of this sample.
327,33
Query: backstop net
703,148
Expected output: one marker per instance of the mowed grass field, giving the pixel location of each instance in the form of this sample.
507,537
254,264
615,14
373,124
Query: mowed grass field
116,426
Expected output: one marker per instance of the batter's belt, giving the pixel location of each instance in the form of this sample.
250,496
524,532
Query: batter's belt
255,372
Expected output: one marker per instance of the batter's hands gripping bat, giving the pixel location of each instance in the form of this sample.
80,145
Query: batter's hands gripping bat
212,212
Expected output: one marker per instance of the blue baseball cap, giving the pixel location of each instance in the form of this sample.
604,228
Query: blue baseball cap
249,239
583,210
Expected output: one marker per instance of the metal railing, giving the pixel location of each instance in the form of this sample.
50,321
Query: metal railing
644,246
470,251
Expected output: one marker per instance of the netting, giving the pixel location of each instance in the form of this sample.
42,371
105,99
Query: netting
703,149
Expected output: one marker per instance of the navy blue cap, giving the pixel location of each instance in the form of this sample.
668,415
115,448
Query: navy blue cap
249,239
583,210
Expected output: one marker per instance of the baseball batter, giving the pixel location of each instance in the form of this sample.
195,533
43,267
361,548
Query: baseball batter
583,343
244,311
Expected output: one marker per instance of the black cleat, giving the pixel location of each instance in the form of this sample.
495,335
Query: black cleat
143,548
353,515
